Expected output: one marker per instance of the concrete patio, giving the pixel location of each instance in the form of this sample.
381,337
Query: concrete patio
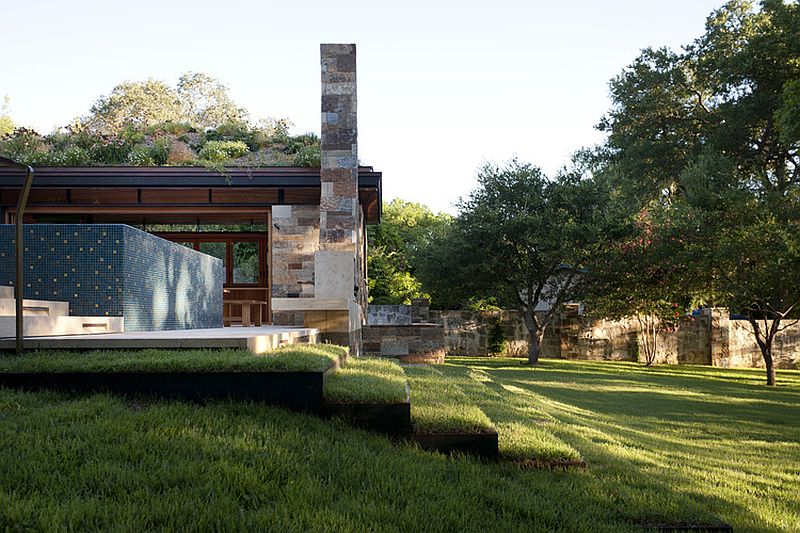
256,339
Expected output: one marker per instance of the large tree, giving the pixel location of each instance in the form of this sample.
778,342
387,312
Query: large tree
397,250
198,99
710,134
522,238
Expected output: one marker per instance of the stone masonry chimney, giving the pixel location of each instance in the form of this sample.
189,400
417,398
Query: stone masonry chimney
337,306
338,278
339,174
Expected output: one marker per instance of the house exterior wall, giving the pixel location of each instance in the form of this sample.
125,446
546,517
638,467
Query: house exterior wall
116,270
295,241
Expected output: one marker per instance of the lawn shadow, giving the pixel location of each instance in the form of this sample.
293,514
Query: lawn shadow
677,445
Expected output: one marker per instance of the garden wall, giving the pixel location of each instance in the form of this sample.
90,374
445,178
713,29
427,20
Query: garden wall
116,270
710,338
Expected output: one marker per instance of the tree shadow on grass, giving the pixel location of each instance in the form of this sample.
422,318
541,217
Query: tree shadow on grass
665,445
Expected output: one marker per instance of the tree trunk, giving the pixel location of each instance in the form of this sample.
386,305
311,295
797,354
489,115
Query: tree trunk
767,355
764,340
534,346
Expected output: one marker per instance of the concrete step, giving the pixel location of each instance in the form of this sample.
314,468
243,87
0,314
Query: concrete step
8,307
6,292
45,326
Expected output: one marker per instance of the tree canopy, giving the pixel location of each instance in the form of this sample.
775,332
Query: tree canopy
521,239
397,251
198,99
6,124
707,138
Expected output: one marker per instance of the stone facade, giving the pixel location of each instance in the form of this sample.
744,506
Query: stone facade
295,240
389,315
399,341
339,206
319,252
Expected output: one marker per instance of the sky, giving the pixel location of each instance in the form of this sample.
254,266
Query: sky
443,87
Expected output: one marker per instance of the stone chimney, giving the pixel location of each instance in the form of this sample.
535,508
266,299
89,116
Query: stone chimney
339,221
338,278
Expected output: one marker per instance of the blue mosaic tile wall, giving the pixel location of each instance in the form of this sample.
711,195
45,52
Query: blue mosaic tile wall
116,270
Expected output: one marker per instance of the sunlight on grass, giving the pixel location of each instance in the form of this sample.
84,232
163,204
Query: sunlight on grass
438,405
672,437
296,357
367,380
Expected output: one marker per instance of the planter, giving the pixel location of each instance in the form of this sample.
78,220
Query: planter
393,419
478,444
294,390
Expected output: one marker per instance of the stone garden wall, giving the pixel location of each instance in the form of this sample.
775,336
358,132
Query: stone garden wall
710,338
743,350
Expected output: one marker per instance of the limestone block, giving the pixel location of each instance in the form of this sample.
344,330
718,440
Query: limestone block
335,274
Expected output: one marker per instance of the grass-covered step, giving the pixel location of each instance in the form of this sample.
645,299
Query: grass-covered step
370,393
444,418
669,448
525,429
292,376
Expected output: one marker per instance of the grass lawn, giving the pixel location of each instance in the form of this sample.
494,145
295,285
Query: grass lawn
297,357
664,441
367,380
664,445
438,405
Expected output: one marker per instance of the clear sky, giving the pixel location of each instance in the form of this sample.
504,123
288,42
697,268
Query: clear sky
443,86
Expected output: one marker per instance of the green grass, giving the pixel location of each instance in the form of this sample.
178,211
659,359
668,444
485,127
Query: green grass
663,445
438,405
367,380
525,430
298,357
668,441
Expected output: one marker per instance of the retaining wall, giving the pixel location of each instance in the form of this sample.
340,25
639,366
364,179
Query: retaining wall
711,338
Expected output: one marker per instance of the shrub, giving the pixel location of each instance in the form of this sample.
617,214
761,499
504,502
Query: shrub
160,150
496,338
140,156
217,151
308,156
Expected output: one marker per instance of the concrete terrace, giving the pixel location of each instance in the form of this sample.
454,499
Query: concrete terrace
256,339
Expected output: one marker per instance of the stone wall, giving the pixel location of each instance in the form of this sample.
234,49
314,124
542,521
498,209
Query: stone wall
743,350
398,341
295,240
621,340
710,338
389,315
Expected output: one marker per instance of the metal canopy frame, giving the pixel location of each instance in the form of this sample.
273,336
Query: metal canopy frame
22,202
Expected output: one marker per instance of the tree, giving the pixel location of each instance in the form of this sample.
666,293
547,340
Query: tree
711,135
522,238
135,105
206,102
396,250
6,124
199,100
637,274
